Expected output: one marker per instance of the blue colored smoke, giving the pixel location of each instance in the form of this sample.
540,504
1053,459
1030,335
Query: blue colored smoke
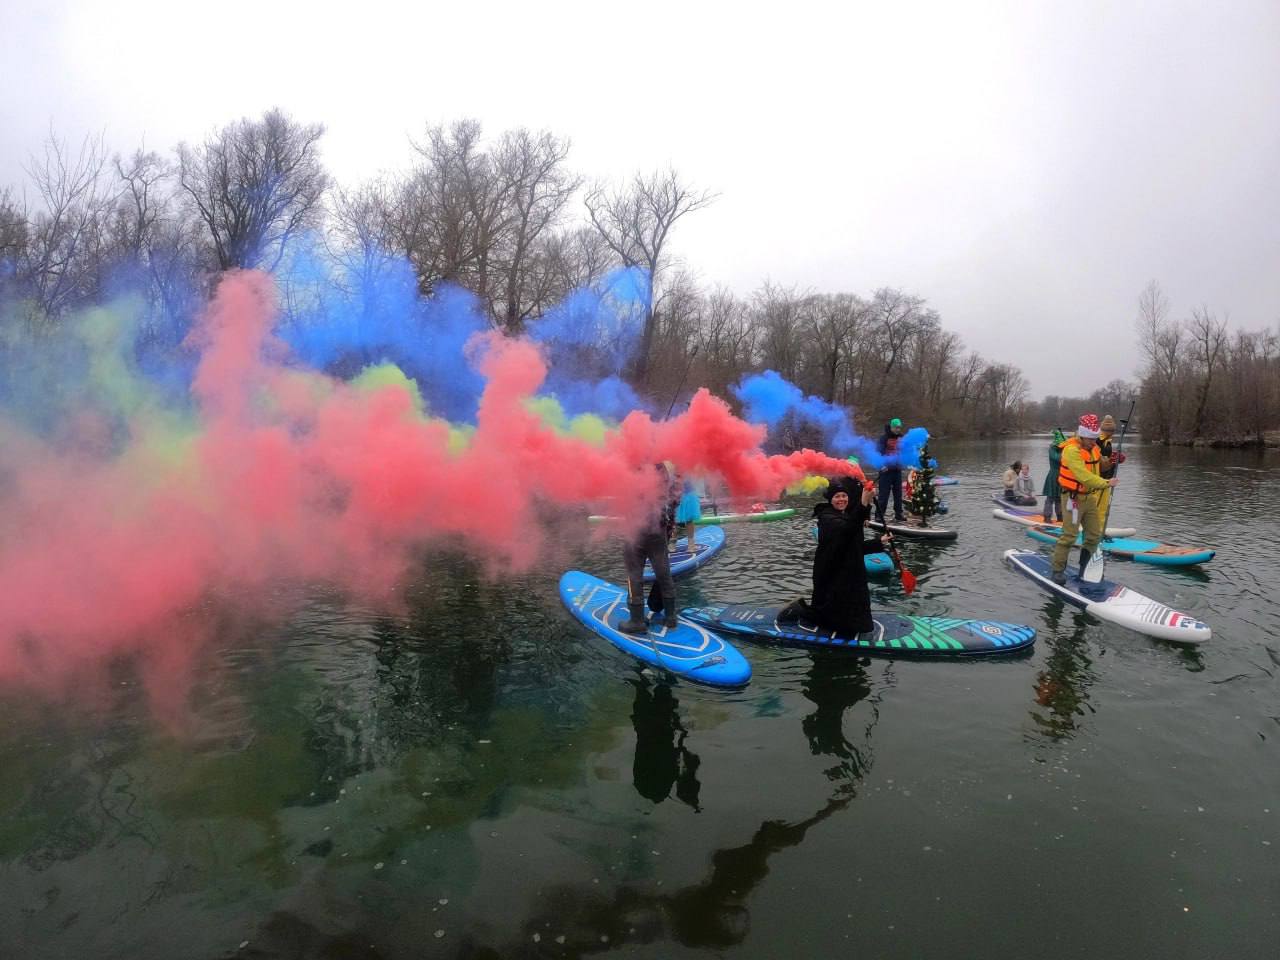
769,398
590,338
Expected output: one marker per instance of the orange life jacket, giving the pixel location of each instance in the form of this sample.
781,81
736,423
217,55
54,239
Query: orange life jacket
1066,479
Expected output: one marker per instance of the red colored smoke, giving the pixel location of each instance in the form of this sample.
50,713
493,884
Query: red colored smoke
297,478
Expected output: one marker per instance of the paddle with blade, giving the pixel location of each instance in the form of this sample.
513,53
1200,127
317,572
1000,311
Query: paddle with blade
908,578
1096,566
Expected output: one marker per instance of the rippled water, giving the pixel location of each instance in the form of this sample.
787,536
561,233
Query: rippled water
481,777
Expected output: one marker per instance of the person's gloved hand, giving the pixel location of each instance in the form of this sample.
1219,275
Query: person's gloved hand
1120,457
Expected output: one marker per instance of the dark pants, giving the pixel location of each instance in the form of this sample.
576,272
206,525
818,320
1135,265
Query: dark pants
1052,508
651,547
889,481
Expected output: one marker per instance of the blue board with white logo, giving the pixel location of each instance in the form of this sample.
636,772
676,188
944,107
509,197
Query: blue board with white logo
688,650
894,635
706,544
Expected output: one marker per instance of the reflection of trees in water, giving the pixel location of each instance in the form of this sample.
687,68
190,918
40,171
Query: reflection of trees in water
1062,687
662,760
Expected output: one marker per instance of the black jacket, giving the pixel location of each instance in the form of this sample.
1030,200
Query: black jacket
1104,450
888,445
840,599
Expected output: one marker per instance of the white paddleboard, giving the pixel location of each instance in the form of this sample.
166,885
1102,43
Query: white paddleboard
1111,601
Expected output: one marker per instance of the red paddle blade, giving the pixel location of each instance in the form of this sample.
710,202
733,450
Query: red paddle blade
908,581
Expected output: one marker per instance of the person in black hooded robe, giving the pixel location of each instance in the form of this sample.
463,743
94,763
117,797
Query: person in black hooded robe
840,600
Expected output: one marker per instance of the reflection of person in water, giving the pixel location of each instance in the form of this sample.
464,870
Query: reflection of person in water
662,761
834,684
1062,688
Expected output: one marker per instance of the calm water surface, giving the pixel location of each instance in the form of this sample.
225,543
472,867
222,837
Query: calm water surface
480,777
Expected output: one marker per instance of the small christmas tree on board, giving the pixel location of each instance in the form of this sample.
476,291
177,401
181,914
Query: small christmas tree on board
924,495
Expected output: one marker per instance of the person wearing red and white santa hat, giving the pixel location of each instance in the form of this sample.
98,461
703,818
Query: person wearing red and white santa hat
1083,487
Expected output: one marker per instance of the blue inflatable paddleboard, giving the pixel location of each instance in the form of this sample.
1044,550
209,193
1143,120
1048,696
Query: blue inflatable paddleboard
707,543
945,481
689,650
1134,548
877,562
894,635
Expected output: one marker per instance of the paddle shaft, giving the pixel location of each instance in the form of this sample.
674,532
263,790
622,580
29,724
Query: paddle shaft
908,578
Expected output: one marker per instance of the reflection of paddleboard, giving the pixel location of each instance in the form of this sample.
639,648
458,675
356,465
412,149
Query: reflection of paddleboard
894,635
1107,600
1035,522
709,519
1131,548
707,544
689,650
1024,510
911,528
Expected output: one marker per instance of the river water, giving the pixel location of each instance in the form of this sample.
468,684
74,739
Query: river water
478,776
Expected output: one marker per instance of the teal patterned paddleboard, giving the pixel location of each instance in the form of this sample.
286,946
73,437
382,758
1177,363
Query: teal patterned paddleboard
894,635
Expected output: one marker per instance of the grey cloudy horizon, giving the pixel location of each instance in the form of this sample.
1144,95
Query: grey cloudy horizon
1025,167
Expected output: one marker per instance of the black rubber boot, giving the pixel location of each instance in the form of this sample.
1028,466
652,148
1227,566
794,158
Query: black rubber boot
1059,577
636,623
1084,561
669,613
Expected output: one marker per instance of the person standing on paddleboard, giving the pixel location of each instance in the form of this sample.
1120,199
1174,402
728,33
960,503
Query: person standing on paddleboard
650,543
1052,491
1110,459
1082,496
890,479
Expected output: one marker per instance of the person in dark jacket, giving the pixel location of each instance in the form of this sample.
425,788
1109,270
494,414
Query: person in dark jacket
650,543
890,479
840,602
1052,491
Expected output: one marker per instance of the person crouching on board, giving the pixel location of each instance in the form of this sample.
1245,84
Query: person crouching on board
1024,487
840,602
650,543
1082,496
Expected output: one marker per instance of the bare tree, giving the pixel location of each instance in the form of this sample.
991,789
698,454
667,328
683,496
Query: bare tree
65,238
778,313
1161,343
13,238
255,184
835,321
636,223
533,164
1208,337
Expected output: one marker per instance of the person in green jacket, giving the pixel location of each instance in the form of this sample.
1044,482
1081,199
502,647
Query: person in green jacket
1082,496
1052,491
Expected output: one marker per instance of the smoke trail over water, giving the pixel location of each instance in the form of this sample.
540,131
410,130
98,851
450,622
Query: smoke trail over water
133,511
769,398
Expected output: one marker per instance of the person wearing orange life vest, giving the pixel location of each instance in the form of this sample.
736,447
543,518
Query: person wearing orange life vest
1082,496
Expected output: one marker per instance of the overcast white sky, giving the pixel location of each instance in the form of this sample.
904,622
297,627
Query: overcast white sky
1026,166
